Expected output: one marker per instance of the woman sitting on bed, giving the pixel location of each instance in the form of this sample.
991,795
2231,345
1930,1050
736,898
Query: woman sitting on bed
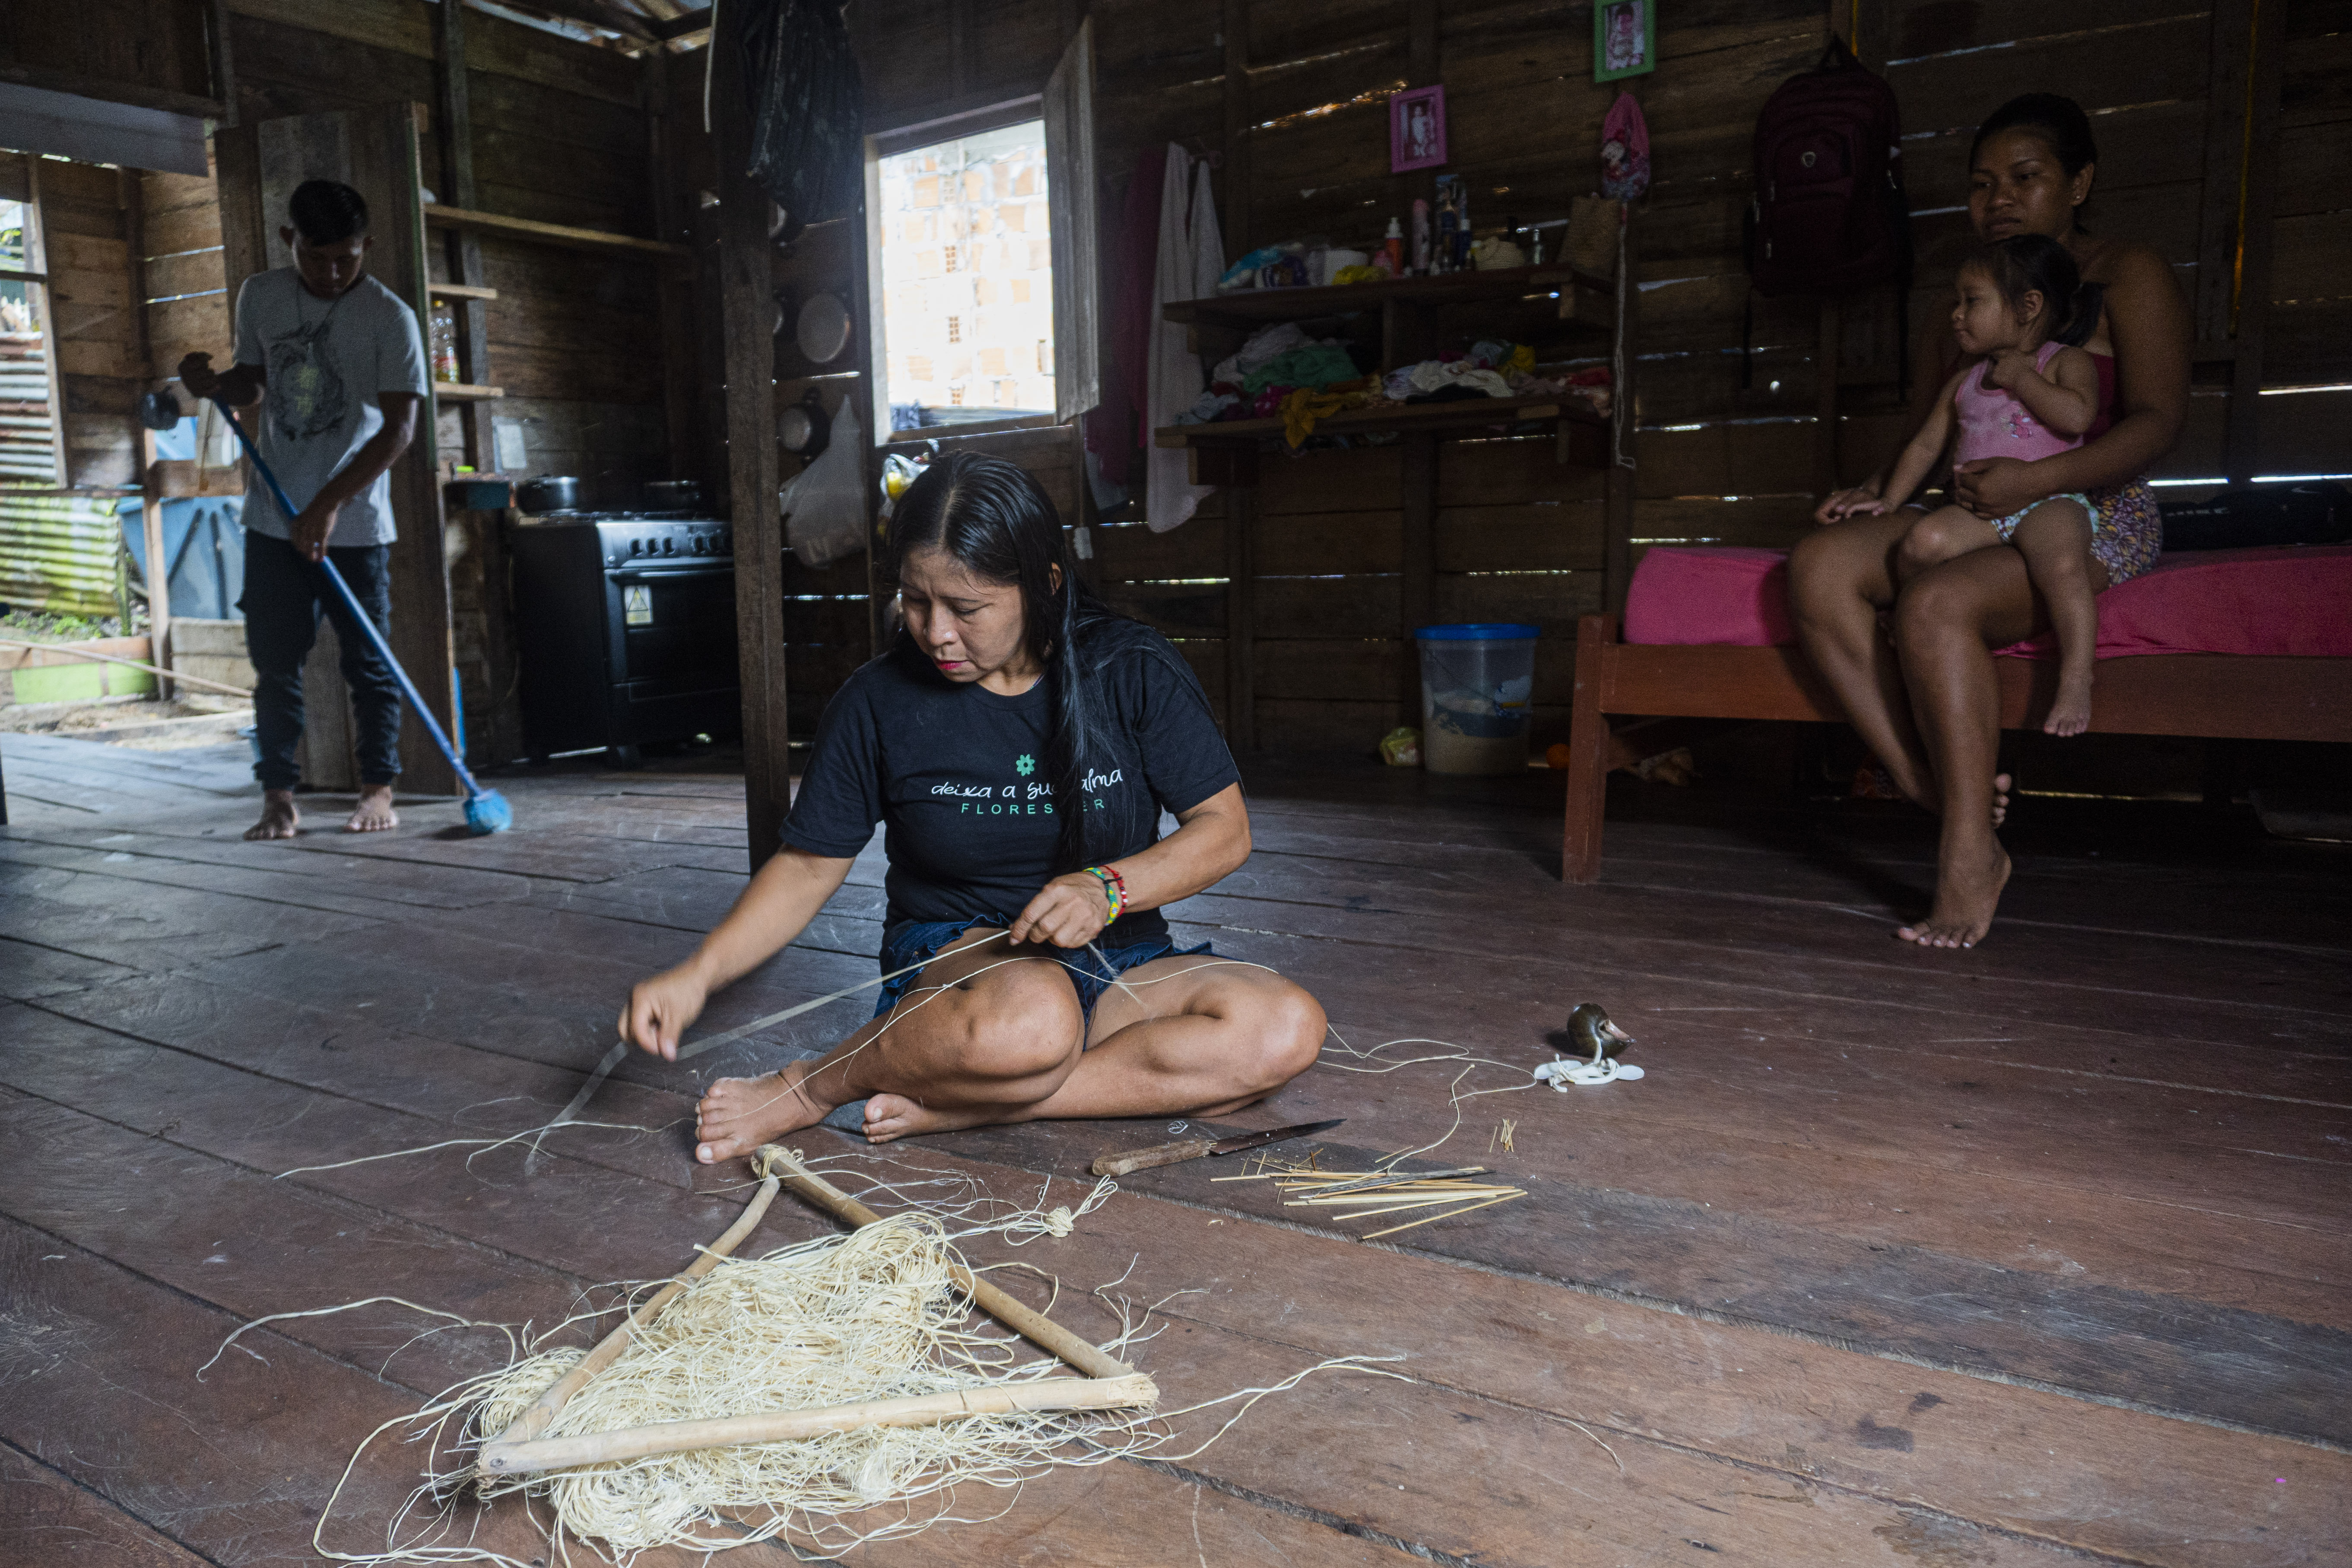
1927,702
1020,741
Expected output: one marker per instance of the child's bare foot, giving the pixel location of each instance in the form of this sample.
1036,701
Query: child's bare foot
2071,714
740,1114
2002,784
374,814
279,818
1966,897
893,1116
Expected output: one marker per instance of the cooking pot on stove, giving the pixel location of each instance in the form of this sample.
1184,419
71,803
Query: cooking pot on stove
672,494
551,493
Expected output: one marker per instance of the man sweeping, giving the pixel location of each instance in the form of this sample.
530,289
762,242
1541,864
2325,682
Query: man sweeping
335,359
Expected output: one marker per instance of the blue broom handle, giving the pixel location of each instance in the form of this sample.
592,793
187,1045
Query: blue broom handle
352,603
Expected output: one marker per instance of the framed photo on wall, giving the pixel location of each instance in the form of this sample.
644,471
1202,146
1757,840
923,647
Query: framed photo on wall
1416,129
1624,38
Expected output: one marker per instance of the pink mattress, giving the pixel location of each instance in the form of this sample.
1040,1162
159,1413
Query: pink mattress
2289,599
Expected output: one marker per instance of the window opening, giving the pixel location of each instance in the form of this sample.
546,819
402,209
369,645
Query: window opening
966,278
29,422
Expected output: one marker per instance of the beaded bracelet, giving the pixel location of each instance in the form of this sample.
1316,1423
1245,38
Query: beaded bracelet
1114,889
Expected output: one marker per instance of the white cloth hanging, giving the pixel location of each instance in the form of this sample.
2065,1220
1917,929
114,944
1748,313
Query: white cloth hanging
1191,260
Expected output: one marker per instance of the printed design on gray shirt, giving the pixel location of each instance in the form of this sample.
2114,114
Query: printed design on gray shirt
307,396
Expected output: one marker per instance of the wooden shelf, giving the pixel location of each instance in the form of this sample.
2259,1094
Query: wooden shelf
1369,421
460,291
557,234
458,392
1255,307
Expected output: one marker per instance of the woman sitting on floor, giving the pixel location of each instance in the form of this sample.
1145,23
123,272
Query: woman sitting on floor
1019,740
1927,703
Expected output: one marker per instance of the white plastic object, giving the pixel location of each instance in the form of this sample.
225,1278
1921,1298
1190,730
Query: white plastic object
825,505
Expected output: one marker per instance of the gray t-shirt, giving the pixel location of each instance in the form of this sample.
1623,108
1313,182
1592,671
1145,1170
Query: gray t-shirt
327,361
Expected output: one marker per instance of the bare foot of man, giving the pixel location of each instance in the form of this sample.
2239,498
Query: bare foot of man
279,818
374,814
893,1116
2071,714
740,1114
1966,897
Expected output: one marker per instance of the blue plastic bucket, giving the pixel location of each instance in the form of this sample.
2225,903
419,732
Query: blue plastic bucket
1476,682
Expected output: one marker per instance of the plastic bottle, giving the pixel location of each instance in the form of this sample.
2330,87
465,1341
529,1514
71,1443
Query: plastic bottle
445,343
1393,248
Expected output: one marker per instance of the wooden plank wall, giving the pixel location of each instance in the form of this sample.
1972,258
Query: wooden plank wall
1718,463
101,364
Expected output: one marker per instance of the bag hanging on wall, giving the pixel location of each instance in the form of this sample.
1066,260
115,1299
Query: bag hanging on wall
1829,215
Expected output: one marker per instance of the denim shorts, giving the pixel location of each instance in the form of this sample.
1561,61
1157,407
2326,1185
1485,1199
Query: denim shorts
919,941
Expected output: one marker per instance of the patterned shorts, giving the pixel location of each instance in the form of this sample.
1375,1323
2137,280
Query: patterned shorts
2126,530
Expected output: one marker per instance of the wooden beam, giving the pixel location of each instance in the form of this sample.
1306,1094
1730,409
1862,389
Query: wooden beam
2226,57
107,91
746,274
675,289
679,26
1617,547
1417,568
444,215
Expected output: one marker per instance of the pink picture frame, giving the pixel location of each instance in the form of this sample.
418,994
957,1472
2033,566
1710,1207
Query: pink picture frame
1416,129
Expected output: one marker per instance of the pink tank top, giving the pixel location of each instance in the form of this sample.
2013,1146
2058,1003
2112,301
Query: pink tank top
1994,423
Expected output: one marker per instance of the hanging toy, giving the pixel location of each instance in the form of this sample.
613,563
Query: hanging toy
1589,1025
1625,151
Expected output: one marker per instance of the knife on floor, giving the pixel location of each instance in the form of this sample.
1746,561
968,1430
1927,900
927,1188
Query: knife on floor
1193,1148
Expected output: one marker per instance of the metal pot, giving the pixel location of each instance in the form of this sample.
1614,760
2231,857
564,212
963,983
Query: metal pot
552,493
672,494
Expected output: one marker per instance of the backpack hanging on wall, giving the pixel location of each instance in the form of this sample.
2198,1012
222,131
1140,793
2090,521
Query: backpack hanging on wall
1829,215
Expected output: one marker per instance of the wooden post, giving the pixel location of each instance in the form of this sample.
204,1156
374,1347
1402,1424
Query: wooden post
1620,499
1588,752
2249,303
746,288
151,505
464,246
1241,502
1417,569
674,283
224,61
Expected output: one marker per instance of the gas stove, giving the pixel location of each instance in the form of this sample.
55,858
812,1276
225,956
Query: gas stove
627,625
645,537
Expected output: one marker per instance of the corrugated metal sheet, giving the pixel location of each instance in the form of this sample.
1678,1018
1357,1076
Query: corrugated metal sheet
57,553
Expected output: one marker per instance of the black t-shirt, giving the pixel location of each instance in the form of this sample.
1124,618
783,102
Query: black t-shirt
961,777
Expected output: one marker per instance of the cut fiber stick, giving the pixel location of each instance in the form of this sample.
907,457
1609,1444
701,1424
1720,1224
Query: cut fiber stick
1035,1327
543,1410
790,1426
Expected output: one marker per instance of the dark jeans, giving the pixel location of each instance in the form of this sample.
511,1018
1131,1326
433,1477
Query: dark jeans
283,596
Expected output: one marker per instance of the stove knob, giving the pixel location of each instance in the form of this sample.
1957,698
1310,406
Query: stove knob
636,546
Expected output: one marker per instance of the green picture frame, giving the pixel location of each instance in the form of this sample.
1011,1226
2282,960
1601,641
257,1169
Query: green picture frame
1624,38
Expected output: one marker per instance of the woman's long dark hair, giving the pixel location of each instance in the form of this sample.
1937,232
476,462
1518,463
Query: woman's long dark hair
2035,263
996,522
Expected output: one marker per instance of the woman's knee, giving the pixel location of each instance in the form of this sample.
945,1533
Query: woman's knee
1288,1034
1027,1025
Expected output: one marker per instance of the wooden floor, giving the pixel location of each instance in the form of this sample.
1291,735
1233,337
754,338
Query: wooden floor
2030,1254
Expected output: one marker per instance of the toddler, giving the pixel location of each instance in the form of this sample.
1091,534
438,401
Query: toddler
2020,304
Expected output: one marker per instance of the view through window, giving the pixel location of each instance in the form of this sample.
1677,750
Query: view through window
28,450
968,279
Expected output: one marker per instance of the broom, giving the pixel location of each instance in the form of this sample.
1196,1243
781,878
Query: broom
487,810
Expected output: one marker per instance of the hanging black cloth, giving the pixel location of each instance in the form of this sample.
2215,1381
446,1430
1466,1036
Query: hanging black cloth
807,109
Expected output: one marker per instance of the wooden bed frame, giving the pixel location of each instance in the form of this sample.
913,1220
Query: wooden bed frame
2211,696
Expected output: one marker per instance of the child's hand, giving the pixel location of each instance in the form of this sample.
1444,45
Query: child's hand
1843,504
2010,366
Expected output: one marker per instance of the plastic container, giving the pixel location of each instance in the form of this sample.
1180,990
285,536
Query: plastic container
1476,682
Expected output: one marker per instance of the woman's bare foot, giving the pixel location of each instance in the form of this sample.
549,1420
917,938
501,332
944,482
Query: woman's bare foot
279,818
2071,714
374,814
893,1116
2002,784
1965,900
740,1114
